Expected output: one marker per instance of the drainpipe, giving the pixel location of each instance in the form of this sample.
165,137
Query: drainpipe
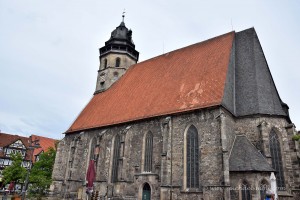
171,152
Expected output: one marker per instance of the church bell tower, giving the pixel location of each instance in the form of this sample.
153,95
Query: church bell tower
116,57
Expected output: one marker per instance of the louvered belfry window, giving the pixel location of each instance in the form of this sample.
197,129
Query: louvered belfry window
148,152
276,159
192,155
116,156
246,195
118,61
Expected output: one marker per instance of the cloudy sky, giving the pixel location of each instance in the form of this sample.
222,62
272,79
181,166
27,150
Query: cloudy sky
49,49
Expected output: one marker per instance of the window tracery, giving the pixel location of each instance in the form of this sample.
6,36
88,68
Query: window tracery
245,189
148,152
116,156
192,155
275,151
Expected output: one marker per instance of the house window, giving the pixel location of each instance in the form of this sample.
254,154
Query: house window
6,162
118,61
276,159
37,158
192,155
245,191
116,156
148,152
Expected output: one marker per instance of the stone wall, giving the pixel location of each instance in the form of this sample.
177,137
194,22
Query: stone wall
257,129
216,132
107,76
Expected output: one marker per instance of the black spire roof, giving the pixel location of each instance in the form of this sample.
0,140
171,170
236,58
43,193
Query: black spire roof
121,42
121,35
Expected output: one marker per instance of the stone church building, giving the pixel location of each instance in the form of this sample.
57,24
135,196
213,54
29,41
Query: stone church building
202,122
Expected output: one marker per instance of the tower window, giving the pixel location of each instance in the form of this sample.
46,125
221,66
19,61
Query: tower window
276,159
118,61
105,63
148,152
192,155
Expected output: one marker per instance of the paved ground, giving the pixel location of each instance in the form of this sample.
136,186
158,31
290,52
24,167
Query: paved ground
8,197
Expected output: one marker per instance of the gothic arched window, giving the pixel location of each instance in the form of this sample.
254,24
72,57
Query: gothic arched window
118,61
246,195
264,186
276,159
192,158
148,152
116,156
94,150
105,63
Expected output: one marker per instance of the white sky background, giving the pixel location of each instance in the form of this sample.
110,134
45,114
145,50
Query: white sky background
49,49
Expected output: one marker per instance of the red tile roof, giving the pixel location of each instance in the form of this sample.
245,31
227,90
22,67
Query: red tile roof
44,142
7,139
185,79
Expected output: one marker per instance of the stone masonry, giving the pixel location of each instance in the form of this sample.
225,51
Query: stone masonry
217,130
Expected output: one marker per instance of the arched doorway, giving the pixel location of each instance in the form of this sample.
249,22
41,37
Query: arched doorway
146,192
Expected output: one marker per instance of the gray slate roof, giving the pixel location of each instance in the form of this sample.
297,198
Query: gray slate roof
246,157
250,88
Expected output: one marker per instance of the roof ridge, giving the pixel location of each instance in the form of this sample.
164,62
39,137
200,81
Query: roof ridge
185,47
14,135
43,137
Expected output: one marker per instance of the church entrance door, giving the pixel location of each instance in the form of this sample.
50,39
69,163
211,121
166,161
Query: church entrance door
146,192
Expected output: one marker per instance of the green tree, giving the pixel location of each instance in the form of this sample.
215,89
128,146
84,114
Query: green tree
41,173
296,137
15,172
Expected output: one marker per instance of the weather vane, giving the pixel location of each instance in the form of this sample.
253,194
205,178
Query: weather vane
123,14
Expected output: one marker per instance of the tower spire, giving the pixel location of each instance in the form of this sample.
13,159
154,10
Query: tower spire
123,15
116,56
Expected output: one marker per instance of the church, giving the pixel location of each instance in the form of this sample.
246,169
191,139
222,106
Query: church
201,122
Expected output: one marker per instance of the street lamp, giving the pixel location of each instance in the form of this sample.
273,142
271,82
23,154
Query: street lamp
34,144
